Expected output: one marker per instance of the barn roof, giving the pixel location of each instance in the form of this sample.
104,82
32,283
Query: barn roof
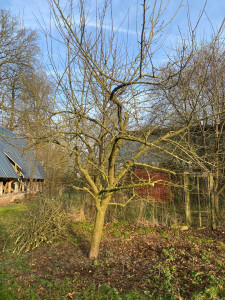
12,152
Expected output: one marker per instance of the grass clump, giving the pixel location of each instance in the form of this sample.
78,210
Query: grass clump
44,221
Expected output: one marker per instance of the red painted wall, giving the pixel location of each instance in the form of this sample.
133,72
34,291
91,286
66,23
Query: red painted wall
159,192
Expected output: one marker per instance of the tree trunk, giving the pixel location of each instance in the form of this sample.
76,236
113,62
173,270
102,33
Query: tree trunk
187,199
97,233
216,196
12,110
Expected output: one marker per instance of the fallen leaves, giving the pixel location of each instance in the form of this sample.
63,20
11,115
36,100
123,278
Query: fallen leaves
138,263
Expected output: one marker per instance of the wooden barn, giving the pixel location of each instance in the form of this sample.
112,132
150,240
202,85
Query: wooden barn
19,169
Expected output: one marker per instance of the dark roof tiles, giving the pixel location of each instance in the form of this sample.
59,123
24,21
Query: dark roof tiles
12,147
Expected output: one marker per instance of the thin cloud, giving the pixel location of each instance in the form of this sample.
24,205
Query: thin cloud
115,29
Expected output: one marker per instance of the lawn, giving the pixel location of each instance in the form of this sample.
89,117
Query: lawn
135,262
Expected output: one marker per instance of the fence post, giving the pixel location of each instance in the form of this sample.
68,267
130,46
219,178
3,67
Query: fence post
212,203
187,199
199,204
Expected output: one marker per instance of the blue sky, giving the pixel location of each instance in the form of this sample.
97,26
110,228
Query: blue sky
29,10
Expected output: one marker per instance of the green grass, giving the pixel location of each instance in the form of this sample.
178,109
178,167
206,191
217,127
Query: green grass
12,210
8,215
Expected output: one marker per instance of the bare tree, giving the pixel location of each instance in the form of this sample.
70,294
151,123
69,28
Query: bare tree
199,95
18,59
107,89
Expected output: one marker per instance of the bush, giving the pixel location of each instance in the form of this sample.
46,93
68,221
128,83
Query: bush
44,221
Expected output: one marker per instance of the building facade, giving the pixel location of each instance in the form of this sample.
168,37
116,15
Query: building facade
19,169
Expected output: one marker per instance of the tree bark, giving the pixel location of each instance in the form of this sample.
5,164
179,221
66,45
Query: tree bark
97,233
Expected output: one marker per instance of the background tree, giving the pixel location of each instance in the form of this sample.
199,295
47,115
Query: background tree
18,64
106,91
26,90
199,95
26,94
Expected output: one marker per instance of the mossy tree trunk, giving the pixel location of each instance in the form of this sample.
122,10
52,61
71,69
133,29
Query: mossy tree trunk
98,227
97,234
